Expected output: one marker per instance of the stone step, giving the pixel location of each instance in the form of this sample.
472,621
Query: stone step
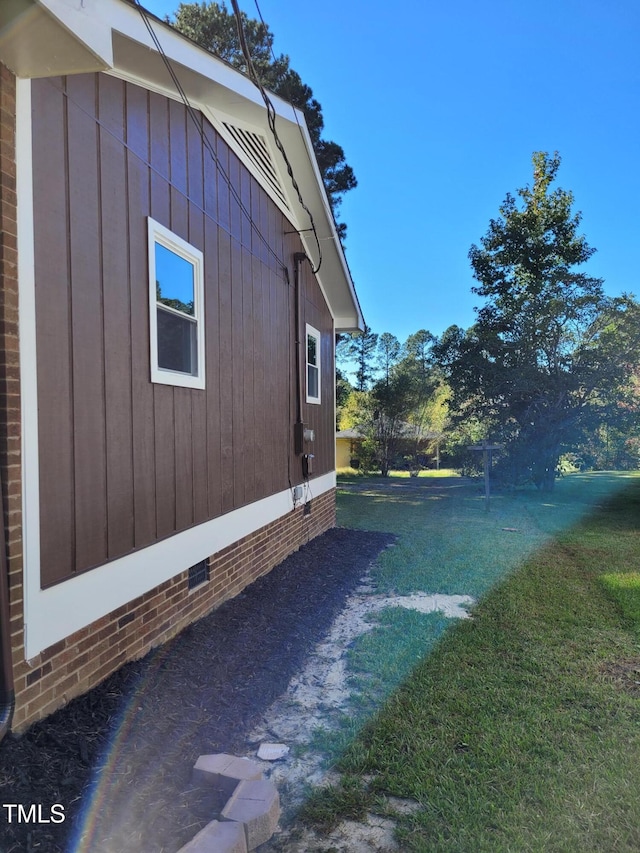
218,837
256,805
225,771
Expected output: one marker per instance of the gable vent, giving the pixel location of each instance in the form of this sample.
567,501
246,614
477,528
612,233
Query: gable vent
255,147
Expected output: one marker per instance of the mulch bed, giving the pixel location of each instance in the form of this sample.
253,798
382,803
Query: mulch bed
119,759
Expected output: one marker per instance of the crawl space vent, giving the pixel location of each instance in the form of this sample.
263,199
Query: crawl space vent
255,147
198,574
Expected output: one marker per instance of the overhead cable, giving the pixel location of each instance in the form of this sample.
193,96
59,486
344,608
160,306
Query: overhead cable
205,141
271,119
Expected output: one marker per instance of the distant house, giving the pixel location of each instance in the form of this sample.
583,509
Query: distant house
412,446
348,443
166,346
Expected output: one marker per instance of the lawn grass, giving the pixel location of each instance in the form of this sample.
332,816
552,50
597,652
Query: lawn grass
351,473
625,589
511,734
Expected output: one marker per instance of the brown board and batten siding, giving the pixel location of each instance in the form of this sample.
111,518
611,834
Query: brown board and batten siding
124,462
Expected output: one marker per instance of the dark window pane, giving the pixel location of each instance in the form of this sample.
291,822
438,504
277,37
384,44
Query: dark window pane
312,355
312,381
177,343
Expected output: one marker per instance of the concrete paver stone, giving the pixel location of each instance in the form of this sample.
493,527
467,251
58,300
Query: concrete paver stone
225,771
218,837
255,804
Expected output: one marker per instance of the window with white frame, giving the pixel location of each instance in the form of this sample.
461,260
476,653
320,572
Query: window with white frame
313,365
176,309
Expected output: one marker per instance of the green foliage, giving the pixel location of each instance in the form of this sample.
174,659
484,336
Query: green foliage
391,401
399,390
343,391
388,355
351,412
549,355
213,27
177,304
609,448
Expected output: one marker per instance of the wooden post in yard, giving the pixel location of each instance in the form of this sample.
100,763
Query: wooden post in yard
487,458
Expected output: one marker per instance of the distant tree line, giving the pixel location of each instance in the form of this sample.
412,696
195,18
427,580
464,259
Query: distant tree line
549,370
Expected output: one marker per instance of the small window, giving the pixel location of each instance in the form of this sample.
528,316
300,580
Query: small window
313,365
176,306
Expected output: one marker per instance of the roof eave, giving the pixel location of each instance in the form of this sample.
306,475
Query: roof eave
41,38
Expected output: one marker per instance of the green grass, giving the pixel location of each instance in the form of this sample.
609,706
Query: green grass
624,588
509,734
448,543
378,662
350,473
381,659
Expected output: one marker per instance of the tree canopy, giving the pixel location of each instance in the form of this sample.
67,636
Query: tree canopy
213,27
396,404
549,352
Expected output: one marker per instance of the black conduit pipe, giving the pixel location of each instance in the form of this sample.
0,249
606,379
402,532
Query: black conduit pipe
7,695
298,258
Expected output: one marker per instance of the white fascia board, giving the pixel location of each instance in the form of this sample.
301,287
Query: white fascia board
218,89
347,324
334,273
46,38
233,91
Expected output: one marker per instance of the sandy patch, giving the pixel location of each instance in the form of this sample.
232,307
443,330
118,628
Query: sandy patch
317,698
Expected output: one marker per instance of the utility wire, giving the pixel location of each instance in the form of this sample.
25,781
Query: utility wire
206,142
265,26
271,119
333,216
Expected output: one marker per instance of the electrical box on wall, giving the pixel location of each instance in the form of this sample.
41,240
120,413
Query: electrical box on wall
307,465
302,436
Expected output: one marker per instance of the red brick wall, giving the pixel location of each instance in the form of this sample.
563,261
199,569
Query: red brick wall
74,665
10,449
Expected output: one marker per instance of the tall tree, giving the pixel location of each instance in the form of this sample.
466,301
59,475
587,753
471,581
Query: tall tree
548,350
387,355
213,27
359,350
426,419
391,401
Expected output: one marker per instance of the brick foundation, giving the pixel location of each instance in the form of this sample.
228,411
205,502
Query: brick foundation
81,661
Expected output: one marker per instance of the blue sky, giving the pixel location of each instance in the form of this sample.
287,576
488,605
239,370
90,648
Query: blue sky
439,107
